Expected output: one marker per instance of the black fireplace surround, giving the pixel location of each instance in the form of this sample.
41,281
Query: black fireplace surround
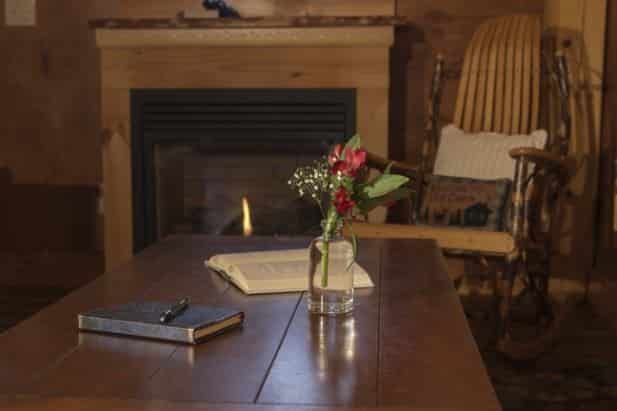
226,122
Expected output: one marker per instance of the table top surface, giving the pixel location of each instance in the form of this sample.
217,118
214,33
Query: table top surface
407,344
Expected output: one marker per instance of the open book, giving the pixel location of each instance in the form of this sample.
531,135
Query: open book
266,272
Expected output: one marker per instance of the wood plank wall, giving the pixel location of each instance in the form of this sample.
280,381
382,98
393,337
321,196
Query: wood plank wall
604,296
51,99
608,223
582,23
49,102
53,96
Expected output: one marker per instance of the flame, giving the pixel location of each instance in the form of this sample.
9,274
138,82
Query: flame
247,226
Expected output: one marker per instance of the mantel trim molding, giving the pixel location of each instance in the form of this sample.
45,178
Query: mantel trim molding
249,37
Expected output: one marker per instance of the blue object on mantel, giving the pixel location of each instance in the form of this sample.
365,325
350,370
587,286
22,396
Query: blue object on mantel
225,10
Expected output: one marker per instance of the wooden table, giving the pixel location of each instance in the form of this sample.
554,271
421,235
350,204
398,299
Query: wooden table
406,344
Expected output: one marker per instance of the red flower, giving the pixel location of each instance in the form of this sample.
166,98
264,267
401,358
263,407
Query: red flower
343,202
335,155
353,160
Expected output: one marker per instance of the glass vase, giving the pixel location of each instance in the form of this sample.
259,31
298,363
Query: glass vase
331,267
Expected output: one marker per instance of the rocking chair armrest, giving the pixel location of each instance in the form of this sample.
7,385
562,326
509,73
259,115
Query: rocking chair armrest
544,159
400,167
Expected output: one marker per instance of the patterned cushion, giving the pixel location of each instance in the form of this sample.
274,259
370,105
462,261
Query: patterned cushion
465,203
483,156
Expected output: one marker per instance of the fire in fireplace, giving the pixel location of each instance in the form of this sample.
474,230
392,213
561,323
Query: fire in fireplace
247,223
217,161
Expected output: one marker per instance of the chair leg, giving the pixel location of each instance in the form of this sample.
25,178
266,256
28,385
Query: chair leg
497,293
547,323
544,310
504,304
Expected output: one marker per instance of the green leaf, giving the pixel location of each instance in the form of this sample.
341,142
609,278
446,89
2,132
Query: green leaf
369,204
354,143
384,184
347,183
354,246
388,168
361,186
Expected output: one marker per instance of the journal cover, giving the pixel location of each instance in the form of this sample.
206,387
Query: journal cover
192,326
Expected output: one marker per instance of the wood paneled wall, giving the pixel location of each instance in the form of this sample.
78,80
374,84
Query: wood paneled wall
52,96
50,101
49,97
582,24
46,234
604,296
608,190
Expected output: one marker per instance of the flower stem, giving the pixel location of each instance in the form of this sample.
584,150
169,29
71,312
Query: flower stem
329,227
325,258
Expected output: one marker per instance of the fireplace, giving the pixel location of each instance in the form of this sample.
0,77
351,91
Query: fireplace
214,160
292,54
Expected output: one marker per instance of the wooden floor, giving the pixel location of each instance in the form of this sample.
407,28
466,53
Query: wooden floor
603,289
578,374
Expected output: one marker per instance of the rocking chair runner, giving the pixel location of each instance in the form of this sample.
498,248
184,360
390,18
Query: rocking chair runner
500,91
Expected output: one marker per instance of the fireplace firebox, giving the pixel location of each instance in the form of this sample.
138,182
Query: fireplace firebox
212,160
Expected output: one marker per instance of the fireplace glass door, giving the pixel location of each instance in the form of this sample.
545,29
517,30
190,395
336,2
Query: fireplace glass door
218,162
202,191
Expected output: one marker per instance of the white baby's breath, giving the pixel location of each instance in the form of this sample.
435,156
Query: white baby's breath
312,181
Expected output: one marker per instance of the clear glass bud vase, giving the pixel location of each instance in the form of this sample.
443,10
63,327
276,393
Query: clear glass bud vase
331,269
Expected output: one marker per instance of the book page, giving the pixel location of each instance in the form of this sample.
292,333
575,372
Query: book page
273,271
280,270
260,256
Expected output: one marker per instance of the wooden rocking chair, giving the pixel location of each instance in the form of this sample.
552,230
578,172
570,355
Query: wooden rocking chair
500,91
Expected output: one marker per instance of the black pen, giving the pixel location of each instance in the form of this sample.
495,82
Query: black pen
174,310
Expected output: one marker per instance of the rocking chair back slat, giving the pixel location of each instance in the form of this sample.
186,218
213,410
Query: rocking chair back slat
518,105
536,64
464,81
482,86
508,106
526,74
529,80
500,78
491,83
472,96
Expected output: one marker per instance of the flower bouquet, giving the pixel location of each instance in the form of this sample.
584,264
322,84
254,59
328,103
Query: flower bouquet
342,188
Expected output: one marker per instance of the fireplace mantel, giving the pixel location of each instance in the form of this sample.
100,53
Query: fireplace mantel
303,53
263,32
256,37
253,22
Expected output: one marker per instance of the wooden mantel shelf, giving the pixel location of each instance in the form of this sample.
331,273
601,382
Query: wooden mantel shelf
249,32
244,23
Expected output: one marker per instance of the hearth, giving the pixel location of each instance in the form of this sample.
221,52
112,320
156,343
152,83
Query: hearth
199,155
